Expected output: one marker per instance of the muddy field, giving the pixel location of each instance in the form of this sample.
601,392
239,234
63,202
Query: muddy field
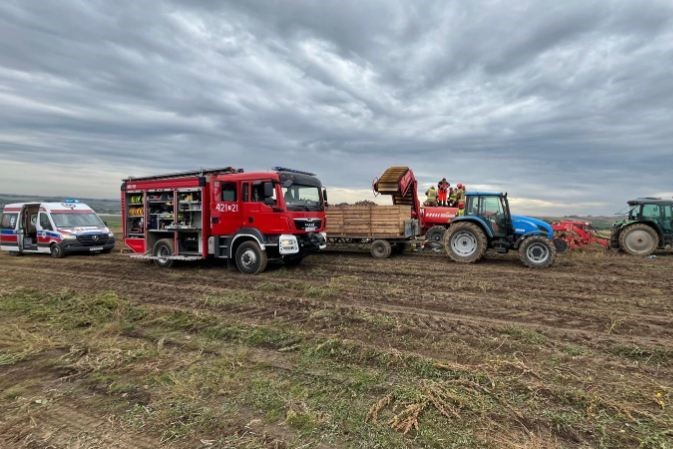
343,351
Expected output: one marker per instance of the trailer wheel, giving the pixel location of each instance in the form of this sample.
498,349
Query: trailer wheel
250,259
638,240
381,249
537,252
435,237
162,250
56,251
465,242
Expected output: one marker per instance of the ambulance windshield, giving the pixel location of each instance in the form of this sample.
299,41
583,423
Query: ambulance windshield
70,220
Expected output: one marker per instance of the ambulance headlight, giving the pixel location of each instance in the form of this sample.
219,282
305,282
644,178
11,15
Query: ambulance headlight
288,244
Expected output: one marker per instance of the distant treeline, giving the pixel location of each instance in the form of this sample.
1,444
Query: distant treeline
111,207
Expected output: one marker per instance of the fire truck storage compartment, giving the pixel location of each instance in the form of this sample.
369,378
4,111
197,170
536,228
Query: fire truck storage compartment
174,214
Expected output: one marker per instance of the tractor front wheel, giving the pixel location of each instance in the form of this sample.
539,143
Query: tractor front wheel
465,242
638,240
537,252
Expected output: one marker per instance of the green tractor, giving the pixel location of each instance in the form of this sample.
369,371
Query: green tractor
647,227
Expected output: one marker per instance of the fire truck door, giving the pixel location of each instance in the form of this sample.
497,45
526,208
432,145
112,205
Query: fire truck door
225,217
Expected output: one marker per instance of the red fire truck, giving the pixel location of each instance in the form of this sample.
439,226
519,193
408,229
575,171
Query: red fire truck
249,218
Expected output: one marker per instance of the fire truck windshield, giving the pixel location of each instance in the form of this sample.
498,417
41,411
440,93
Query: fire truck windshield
76,220
300,197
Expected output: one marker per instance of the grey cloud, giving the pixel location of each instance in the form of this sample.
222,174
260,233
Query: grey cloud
561,102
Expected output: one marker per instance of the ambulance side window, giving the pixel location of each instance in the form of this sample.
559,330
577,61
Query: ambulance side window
45,224
8,221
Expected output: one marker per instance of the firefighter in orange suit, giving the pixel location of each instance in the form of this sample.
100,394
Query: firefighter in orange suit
443,187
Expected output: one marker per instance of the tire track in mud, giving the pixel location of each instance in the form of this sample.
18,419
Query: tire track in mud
300,308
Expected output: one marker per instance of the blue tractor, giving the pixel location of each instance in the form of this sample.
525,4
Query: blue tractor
488,223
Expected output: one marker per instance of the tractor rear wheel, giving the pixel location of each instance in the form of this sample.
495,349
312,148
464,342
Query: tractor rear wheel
381,249
537,252
435,237
638,240
465,242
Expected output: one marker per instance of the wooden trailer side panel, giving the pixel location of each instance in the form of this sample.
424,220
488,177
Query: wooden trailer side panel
367,221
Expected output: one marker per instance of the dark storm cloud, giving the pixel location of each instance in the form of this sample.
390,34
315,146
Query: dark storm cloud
567,105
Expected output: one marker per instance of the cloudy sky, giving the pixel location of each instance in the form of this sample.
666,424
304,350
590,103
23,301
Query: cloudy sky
567,105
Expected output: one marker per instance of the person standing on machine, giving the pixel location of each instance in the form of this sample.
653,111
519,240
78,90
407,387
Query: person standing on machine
443,187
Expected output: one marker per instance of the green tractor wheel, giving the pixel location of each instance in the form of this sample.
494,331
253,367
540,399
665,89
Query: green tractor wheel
638,240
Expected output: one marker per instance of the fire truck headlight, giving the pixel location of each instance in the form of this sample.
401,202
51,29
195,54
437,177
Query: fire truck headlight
288,244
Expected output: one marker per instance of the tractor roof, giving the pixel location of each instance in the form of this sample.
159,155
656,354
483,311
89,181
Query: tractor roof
484,194
650,200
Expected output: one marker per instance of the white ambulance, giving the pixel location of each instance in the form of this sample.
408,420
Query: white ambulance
53,228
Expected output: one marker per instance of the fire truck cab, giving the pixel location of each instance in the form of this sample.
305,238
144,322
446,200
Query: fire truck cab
249,218
53,228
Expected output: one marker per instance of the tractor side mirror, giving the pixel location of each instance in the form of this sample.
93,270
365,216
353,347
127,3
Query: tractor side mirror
324,196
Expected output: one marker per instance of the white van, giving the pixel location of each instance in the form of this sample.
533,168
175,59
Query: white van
53,228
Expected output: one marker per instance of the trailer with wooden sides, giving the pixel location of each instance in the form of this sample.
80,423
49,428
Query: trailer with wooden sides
385,230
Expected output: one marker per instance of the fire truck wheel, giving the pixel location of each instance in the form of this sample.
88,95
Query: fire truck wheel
537,252
250,259
162,249
381,249
465,242
56,251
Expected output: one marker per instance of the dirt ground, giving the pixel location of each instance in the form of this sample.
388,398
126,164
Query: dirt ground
343,351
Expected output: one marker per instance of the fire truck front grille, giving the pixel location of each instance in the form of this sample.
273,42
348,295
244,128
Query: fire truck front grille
311,223
92,239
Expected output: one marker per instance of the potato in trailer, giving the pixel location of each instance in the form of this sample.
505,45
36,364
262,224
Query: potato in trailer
249,218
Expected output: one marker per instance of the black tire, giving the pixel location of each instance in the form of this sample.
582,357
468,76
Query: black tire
638,240
380,249
465,242
399,248
163,247
15,253
106,251
293,260
250,259
434,238
537,252
56,251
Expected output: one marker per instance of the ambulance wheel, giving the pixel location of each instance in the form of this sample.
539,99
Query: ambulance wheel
162,250
250,259
381,249
537,252
465,242
56,251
